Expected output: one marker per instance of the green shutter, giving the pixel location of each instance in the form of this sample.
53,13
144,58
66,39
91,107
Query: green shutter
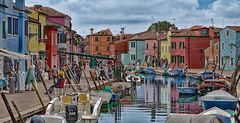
3,29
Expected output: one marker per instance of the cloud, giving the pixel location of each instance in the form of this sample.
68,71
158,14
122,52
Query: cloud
136,15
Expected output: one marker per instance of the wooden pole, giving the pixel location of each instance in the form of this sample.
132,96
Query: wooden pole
45,87
70,82
100,80
8,107
89,87
18,112
223,68
93,80
38,95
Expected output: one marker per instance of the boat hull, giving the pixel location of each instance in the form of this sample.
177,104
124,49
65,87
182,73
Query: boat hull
220,104
186,90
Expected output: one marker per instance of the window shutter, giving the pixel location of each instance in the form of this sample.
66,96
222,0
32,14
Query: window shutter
3,29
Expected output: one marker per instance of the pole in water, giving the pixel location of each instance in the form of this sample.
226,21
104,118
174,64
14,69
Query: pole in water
45,87
8,107
39,97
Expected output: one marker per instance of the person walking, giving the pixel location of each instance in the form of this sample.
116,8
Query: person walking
55,73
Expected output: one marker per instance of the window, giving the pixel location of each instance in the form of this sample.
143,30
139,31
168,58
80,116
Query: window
97,48
222,61
231,46
232,61
154,46
26,28
181,59
216,46
52,38
227,33
173,44
222,45
132,44
133,57
9,25
3,29
15,26
107,48
146,45
204,32
96,38
181,46
36,34
173,59
108,38
216,59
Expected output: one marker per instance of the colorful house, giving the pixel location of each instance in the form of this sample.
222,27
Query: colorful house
36,35
99,42
119,46
14,27
188,46
229,47
52,46
136,46
212,52
165,46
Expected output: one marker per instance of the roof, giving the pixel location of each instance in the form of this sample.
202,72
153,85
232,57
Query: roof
103,32
235,28
52,24
49,11
196,27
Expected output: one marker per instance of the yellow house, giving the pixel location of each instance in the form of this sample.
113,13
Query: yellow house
36,35
165,47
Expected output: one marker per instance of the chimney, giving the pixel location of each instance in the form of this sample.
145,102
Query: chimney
20,4
122,30
38,7
91,31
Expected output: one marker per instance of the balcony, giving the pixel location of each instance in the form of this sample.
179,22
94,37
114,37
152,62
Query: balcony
62,45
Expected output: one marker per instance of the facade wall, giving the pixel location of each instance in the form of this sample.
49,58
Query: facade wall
165,49
52,47
228,52
3,40
136,53
151,47
100,47
59,20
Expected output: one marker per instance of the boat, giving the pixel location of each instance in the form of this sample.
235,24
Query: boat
217,111
220,99
75,108
196,118
208,75
186,99
211,85
133,78
187,90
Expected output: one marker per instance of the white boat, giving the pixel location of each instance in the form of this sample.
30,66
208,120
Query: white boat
77,108
133,78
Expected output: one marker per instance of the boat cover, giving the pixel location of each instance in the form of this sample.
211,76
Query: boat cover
195,118
215,110
218,95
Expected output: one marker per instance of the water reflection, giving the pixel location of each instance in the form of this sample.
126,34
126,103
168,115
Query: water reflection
153,100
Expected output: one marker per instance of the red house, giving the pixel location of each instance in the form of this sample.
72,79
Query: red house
52,47
188,46
119,46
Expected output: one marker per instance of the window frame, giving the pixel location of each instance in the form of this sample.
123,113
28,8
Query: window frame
15,25
11,24
133,45
4,32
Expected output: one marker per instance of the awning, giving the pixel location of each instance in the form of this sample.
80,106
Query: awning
11,54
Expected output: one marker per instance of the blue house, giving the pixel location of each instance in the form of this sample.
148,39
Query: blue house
13,25
229,47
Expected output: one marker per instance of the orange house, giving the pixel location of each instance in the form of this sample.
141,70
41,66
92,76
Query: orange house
99,43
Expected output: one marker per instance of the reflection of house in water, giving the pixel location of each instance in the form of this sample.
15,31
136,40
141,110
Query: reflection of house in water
157,93
182,104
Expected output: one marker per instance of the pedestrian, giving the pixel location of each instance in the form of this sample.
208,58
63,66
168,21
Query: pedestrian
59,85
54,73
30,78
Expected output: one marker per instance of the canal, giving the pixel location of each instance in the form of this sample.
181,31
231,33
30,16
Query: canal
152,101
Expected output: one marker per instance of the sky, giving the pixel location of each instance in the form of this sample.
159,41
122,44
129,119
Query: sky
137,15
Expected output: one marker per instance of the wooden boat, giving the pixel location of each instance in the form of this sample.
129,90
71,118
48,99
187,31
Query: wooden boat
220,99
77,108
133,78
186,99
211,85
187,90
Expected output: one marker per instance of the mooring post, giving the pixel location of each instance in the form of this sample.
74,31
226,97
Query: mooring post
45,87
38,95
93,79
8,107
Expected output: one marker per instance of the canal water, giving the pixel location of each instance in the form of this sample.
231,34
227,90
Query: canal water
152,101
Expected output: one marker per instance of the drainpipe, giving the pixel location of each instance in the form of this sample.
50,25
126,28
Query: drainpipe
189,52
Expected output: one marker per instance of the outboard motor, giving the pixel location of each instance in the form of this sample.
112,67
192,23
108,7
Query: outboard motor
72,113
37,119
